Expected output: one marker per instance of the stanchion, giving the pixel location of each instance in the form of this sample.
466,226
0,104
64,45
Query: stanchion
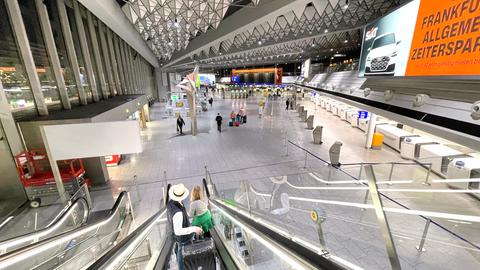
426,183
391,173
365,199
306,158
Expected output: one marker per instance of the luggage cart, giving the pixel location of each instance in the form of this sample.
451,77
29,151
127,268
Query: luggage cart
37,178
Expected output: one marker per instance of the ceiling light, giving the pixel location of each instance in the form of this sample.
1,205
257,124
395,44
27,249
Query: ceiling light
346,4
259,43
346,41
176,24
331,50
313,44
326,31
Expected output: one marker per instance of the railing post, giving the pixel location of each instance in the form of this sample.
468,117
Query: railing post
360,172
382,218
247,187
87,196
424,237
136,187
165,187
286,144
365,199
391,173
306,157
426,183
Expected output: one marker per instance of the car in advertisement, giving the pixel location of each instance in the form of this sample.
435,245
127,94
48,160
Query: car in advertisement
382,55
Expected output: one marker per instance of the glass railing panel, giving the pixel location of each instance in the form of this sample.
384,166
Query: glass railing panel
248,249
32,220
75,216
75,249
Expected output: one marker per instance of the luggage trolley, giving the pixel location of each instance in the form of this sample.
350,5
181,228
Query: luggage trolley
37,178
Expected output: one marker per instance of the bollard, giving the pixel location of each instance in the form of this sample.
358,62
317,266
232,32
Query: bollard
300,110
334,153
317,135
310,122
304,116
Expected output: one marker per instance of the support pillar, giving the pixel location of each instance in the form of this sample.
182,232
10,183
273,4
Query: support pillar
370,130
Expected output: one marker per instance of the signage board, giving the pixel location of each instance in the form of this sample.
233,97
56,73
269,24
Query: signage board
362,114
424,38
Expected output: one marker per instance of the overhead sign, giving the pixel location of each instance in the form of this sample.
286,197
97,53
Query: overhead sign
424,38
362,114
92,139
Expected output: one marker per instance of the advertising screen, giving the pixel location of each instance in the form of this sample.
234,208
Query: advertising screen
207,79
424,38
386,43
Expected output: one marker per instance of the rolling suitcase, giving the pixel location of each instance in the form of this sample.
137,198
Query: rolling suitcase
237,124
200,254
245,119
230,124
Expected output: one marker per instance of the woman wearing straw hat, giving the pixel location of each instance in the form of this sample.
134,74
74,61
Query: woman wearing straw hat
178,218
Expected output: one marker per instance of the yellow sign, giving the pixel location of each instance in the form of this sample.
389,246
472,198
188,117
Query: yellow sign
179,104
314,215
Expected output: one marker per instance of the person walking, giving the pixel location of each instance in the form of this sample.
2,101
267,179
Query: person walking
288,103
233,115
178,220
210,101
219,120
202,217
180,124
243,115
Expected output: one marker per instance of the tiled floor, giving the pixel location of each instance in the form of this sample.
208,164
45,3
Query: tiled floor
257,150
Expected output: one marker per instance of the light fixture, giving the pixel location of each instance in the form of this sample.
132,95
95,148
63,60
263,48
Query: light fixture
259,42
420,100
346,41
346,4
366,92
313,44
331,50
326,31
475,111
388,95
176,24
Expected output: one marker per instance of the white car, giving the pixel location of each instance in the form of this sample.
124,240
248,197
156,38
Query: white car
382,55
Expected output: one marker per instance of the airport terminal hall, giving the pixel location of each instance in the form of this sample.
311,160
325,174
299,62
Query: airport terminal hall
239,134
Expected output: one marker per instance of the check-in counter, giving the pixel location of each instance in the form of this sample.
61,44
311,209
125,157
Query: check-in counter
393,136
439,156
410,146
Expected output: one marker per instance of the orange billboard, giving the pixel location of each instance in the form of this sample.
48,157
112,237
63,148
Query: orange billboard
446,40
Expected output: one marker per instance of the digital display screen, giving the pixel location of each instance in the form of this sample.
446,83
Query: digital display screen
424,38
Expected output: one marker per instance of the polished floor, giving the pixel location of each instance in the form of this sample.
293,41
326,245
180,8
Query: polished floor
260,149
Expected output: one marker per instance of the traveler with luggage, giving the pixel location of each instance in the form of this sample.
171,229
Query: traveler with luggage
232,118
243,115
288,103
180,124
199,212
178,219
219,120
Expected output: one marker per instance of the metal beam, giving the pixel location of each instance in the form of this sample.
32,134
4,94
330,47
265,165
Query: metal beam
108,66
72,56
119,64
113,61
85,51
52,52
16,20
97,56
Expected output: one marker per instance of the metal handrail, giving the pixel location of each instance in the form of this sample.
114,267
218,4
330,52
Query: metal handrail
33,250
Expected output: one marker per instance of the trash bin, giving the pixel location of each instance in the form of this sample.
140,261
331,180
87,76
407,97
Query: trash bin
310,122
304,116
334,153
377,140
317,135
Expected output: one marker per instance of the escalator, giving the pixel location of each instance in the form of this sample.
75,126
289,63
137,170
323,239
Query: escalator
64,245
240,242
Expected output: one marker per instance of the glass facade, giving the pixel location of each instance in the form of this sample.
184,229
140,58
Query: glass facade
12,72
130,74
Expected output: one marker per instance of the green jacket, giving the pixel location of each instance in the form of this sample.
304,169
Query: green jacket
204,221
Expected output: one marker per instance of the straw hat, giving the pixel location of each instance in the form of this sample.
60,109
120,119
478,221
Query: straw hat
178,192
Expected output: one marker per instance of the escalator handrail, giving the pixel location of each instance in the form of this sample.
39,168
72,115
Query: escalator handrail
33,237
25,252
298,250
119,254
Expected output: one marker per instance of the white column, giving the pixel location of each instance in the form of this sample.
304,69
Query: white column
52,52
97,55
370,130
72,56
26,53
85,51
